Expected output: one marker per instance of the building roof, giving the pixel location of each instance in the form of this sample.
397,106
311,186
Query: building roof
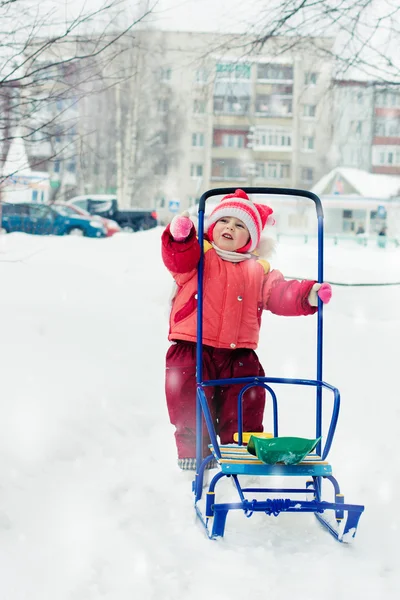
345,180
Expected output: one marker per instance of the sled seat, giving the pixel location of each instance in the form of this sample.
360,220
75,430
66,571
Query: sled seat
235,460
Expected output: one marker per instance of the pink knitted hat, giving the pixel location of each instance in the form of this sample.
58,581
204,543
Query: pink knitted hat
239,205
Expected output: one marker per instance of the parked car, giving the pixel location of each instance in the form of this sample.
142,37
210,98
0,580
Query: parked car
134,219
41,219
110,226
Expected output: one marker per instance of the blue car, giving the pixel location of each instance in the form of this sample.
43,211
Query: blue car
41,219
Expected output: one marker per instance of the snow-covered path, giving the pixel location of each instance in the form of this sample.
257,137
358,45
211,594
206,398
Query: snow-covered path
92,505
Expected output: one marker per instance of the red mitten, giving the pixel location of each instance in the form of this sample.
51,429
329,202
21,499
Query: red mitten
324,292
180,227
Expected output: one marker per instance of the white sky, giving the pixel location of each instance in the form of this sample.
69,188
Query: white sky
92,505
237,16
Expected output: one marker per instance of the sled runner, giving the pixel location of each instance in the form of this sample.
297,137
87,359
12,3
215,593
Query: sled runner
267,456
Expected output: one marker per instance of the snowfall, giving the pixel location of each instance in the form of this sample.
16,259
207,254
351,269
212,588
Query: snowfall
92,504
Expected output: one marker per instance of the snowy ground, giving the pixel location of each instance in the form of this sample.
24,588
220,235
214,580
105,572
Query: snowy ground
92,506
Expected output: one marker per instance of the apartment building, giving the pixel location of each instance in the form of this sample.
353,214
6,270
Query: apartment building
385,151
366,126
353,106
268,123
198,111
207,113
263,118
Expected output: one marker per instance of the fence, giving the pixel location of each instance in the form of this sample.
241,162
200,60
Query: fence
336,238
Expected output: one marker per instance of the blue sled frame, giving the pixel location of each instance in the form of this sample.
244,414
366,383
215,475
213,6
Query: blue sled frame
339,518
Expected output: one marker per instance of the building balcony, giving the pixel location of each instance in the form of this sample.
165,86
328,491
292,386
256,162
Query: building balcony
390,112
224,119
273,115
386,169
268,121
222,152
273,149
380,140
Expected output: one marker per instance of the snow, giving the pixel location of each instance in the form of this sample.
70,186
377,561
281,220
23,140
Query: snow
369,185
92,505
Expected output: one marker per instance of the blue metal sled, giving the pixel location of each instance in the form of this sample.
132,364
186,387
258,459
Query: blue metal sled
233,460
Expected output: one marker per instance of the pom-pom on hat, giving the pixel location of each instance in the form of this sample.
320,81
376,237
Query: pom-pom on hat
239,205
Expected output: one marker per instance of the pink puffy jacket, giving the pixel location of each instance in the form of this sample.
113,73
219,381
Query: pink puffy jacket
235,294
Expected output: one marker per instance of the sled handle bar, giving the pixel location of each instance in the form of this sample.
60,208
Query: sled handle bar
320,218
265,191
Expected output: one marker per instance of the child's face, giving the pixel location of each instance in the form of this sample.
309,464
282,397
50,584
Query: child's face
230,234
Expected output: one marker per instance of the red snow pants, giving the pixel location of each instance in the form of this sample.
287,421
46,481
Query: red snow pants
180,388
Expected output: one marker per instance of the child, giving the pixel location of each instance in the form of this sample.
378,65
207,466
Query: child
238,286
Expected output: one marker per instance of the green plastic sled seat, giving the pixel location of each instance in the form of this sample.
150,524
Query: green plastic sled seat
286,450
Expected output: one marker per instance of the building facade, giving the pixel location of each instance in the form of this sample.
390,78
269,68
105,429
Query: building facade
186,112
366,130
385,155
262,119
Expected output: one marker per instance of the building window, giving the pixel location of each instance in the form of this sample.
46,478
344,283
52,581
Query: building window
309,110
275,105
358,97
307,174
199,107
231,105
165,74
198,140
272,138
308,143
196,170
57,166
201,75
387,127
386,156
162,105
380,128
71,166
356,127
72,134
310,78
273,170
387,98
231,140
275,72
228,169
348,221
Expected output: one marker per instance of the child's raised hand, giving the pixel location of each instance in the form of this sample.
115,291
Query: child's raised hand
181,226
321,290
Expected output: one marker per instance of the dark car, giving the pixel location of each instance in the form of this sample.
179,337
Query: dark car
106,205
41,219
